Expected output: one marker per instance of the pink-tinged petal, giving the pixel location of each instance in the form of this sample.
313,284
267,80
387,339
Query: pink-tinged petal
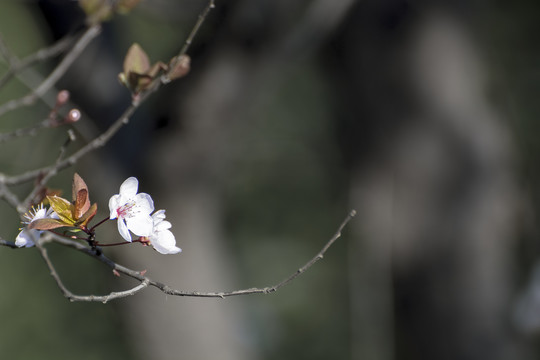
113,206
165,243
123,230
128,189
144,203
141,225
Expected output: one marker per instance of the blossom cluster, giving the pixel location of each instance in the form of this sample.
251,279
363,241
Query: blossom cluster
134,213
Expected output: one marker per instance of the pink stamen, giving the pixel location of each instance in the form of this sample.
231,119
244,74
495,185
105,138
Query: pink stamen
125,210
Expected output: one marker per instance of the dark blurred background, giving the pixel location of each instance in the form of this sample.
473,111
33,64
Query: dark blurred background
422,115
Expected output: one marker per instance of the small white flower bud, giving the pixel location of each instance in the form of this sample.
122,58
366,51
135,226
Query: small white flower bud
73,116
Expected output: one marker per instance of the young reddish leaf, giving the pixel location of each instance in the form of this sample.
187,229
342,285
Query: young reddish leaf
156,69
136,67
136,60
62,208
82,204
77,184
84,219
46,224
138,73
80,197
138,82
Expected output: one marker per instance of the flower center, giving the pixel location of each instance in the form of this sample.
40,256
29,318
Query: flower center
32,214
126,210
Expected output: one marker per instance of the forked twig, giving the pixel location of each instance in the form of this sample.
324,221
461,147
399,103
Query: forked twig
102,139
16,65
81,44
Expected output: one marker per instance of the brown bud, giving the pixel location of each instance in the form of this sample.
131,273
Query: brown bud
62,98
179,67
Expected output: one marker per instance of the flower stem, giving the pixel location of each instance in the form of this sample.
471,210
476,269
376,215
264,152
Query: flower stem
99,223
67,235
120,243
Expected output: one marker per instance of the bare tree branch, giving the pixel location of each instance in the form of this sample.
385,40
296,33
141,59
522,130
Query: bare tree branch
72,297
189,40
145,281
45,173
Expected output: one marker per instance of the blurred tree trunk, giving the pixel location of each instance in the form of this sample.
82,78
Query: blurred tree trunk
431,267
214,117
186,174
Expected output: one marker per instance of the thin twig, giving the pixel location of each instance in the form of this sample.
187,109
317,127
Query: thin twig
56,74
145,281
98,142
113,129
42,180
10,197
17,65
70,138
190,38
196,28
72,297
28,131
6,53
8,244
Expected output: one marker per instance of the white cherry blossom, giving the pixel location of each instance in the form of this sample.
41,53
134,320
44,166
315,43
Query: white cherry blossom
162,239
132,210
28,237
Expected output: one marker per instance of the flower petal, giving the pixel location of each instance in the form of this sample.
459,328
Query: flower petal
41,213
144,203
26,238
158,216
141,225
113,206
128,189
165,243
123,230
162,225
